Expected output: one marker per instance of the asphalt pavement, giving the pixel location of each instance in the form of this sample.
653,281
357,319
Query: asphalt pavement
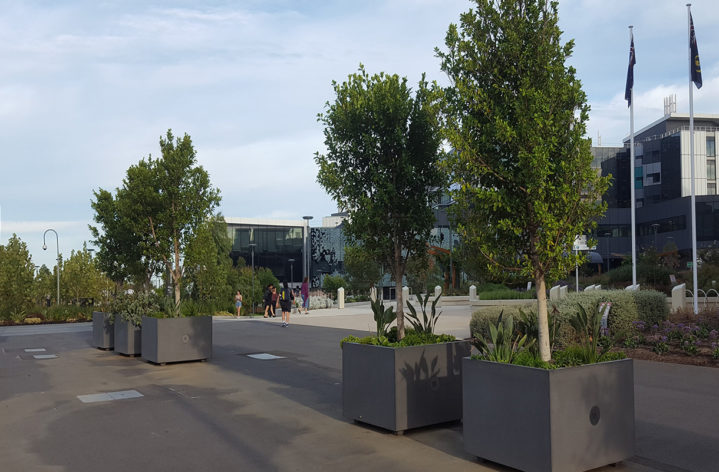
237,412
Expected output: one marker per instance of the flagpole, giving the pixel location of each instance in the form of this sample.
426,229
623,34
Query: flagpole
691,157
631,175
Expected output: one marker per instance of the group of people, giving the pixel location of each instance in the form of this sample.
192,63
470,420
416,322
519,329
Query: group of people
282,299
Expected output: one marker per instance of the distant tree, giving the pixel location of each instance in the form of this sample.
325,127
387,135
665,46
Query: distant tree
331,283
208,266
423,273
525,187
44,285
17,273
82,279
361,267
381,165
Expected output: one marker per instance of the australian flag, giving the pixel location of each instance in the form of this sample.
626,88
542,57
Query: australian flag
694,66
630,74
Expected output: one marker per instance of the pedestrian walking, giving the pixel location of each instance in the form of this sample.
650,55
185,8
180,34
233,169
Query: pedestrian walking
305,291
267,299
285,299
238,302
275,301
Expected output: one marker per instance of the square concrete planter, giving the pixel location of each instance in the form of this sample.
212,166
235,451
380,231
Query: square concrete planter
575,418
103,332
176,339
127,337
403,388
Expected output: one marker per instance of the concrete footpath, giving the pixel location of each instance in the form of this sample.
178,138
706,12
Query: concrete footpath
236,412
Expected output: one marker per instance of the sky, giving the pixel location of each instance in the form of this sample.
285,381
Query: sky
87,87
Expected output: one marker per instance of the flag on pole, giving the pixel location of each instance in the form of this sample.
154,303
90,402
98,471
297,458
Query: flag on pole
630,73
695,66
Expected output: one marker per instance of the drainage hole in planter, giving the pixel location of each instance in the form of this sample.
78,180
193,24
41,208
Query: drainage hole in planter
594,415
185,339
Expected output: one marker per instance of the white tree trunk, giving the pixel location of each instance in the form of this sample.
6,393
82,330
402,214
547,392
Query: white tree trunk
543,320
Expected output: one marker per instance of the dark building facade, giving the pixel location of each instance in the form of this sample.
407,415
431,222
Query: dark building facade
662,187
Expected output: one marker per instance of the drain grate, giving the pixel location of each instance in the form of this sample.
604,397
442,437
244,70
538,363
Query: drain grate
109,396
45,356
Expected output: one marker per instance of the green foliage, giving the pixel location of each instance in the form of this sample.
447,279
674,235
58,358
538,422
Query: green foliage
528,325
331,283
383,147
588,326
16,278
133,306
412,338
163,203
427,323
244,284
361,267
423,273
575,356
507,294
516,117
651,306
81,278
529,359
208,266
482,318
382,317
500,345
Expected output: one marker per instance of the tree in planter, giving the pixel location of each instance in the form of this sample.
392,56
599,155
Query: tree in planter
517,119
381,165
163,202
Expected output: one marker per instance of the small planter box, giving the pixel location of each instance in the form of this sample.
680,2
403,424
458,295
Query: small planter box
403,388
576,418
103,332
176,339
127,337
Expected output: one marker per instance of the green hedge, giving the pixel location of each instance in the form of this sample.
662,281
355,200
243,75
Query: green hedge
627,306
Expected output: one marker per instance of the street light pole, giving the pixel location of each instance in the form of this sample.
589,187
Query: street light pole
57,248
307,245
252,248
292,271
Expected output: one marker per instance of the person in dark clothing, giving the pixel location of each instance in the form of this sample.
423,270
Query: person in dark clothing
269,305
285,298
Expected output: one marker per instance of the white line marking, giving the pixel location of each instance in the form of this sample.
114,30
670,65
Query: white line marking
45,356
39,349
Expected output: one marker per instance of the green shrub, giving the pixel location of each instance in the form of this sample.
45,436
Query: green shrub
623,312
507,294
481,319
411,338
652,306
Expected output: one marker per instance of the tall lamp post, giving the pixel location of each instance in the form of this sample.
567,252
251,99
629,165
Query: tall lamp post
292,271
308,244
252,248
57,248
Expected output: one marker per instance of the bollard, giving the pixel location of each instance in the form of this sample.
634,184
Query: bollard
373,294
563,291
679,296
554,293
473,293
341,298
437,291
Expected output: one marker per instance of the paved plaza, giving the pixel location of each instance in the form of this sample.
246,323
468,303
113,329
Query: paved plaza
92,410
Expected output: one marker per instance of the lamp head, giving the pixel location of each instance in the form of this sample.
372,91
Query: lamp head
44,247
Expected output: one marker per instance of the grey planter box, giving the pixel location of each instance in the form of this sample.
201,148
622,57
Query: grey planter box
576,418
103,333
176,339
127,337
403,388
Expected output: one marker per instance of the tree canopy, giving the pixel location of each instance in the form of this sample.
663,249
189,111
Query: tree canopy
381,165
517,122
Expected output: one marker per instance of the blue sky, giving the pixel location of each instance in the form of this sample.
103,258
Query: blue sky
88,87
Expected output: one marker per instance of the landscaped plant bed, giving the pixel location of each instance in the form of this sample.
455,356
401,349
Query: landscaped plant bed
103,331
532,419
684,339
177,339
401,388
127,337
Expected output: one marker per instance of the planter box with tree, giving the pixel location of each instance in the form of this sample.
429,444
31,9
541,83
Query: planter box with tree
103,331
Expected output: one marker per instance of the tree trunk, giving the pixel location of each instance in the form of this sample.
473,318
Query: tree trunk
398,274
542,319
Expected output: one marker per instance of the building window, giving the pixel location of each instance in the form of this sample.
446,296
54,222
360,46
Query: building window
654,178
711,189
711,169
711,147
